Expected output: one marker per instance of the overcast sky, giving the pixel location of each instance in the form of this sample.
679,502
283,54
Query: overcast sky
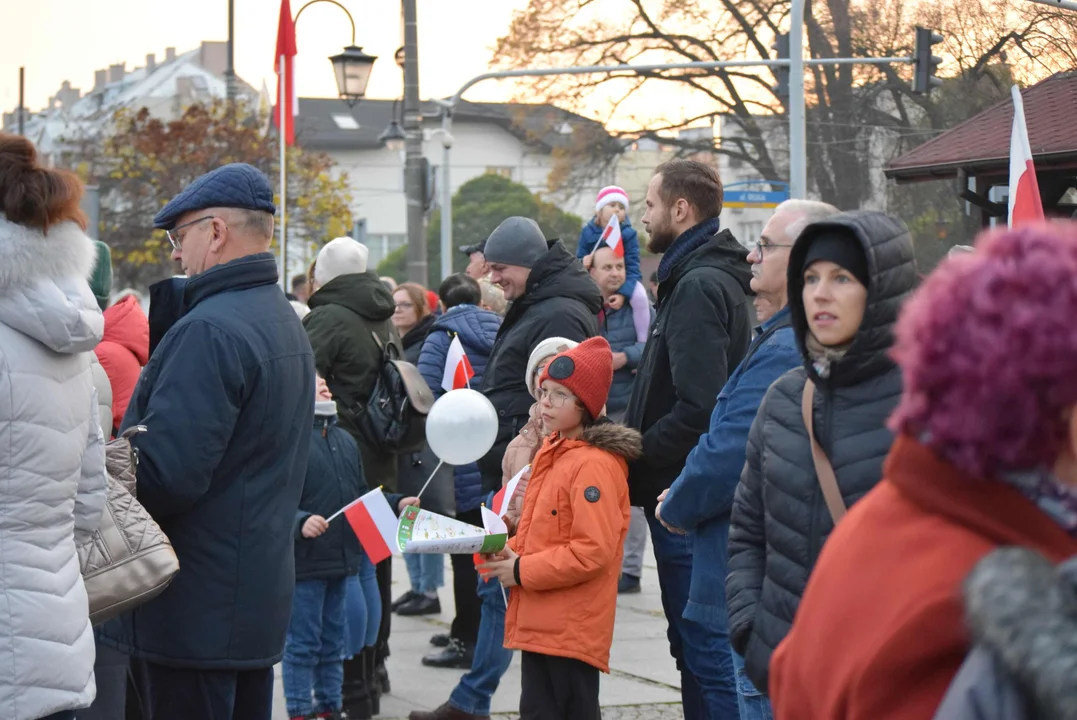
59,40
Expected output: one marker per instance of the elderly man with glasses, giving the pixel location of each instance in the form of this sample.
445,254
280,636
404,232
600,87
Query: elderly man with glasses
700,500
227,401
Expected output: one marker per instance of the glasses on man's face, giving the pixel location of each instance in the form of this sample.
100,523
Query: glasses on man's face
761,247
556,398
176,238
404,306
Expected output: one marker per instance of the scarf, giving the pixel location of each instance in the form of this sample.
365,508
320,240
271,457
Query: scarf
824,356
690,240
1056,499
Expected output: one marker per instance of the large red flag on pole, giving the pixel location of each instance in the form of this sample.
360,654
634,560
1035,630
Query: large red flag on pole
1025,204
284,66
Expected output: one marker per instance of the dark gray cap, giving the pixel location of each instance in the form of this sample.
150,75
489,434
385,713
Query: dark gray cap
471,249
516,241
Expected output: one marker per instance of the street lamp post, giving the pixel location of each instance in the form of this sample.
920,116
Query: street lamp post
352,69
413,148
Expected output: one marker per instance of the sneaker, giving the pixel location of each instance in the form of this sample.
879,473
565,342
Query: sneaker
421,605
440,640
403,600
455,655
628,584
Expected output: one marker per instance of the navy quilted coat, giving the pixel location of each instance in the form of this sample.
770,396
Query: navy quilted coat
780,520
477,329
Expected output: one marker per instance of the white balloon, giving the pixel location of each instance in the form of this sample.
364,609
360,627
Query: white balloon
461,427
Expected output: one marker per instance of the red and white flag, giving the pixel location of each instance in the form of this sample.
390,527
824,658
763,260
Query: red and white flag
284,66
611,236
502,497
1025,204
374,523
457,367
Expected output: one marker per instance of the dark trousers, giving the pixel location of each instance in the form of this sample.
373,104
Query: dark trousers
110,670
383,571
557,688
182,693
465,580
62,715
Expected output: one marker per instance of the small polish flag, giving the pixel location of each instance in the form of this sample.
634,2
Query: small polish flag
374,524
493,523
611,236
1025,205
457,367
504,496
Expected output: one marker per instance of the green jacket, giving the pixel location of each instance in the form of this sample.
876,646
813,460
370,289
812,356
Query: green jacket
343,314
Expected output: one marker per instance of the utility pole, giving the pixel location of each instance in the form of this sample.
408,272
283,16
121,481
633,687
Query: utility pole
230,69
413,149
22,92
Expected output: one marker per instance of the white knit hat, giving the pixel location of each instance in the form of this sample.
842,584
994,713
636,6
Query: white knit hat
544,351
342,256
611,194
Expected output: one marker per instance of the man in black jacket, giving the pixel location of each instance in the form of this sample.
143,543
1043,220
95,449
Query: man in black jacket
552,296
700,334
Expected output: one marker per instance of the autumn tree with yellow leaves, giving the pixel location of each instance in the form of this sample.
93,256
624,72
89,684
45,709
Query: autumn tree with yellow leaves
144,161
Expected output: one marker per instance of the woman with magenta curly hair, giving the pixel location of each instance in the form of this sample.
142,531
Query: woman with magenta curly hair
986,457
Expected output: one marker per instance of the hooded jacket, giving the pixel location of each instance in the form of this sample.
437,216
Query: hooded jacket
1022,614
780,520
571,541
52,467
477,330
334,478
560,299
882,629
123,352
700,334
226,400
344,314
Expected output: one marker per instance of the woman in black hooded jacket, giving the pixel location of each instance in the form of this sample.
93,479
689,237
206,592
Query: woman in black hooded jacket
780,518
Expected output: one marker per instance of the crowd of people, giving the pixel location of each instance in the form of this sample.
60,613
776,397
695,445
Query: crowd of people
860,483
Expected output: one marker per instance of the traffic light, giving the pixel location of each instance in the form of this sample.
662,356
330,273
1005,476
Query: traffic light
781,52
924,78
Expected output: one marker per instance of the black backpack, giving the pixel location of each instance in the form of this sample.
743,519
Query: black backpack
393,420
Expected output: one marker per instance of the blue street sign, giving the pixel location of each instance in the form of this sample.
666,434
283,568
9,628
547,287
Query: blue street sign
751,198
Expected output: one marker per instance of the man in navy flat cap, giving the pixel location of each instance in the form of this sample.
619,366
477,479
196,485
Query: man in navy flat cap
228,401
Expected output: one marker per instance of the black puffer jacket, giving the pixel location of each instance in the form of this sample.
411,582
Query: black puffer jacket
780,520
560,300
698,338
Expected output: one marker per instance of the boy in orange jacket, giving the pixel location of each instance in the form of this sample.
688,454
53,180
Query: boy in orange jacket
566,556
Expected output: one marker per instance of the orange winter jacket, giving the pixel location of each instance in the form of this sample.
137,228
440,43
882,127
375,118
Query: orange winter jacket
570,541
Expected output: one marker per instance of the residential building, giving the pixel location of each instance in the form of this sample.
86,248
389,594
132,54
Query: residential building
515,140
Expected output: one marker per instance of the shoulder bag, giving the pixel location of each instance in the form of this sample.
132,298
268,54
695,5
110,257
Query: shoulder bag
828,481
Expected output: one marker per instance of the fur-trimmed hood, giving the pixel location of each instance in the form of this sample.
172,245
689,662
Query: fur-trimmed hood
1023,610
614,438
43,289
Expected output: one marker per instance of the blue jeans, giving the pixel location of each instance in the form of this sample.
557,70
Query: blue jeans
754,705
314,649
363,609
477,687
426,572
708,686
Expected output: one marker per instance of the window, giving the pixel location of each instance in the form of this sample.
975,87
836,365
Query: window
504,171
748,233
345,122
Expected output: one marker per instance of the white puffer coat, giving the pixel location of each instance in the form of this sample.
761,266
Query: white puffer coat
52,468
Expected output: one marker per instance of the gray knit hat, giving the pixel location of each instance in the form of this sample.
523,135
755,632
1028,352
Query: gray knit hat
516,241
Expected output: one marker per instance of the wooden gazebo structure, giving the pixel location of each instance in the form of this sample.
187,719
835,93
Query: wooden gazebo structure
975,154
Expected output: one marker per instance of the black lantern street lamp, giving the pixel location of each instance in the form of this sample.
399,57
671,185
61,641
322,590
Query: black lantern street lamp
393,136
352,68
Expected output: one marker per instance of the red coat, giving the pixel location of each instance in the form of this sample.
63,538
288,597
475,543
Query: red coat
123,351
880,631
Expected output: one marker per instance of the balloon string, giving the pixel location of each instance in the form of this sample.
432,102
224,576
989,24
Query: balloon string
440,463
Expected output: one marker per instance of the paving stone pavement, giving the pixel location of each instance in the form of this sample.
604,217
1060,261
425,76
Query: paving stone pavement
643,684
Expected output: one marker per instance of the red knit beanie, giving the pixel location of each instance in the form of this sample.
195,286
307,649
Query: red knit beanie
586,370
